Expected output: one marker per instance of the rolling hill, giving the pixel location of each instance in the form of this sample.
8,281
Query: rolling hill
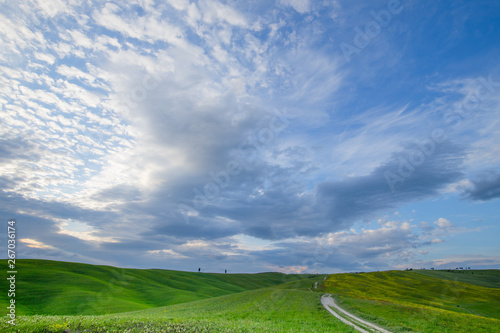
64,288
421,301
70,297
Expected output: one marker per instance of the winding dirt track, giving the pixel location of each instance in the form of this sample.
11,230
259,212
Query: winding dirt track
329,303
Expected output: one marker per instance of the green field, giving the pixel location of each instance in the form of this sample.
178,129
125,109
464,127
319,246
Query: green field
69,297
63,288
421,301
489,278
264,310
266,302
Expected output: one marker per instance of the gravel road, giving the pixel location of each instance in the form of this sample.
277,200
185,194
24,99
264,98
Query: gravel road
352,320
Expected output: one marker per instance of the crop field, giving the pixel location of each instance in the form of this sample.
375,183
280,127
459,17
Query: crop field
421,301
116,300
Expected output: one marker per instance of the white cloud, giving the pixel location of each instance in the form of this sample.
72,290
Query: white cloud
83,96
214,11
52,8
33,243
147,28
103,40
393,237
16,36
288,269
179,4
301,6
167,253
443,223
48,58
249,243
84,232
75,73
193,15
63,49
80,39
196,243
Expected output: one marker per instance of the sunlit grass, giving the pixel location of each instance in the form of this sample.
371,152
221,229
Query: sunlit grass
409,301
198,302
417,301
264,310
62,288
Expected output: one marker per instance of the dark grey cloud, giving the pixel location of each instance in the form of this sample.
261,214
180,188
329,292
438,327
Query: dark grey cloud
360,197
277,212
265,200
271,202
201,228
485,187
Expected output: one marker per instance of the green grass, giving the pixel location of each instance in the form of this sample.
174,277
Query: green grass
66,297
420,302
285,307
63,288
264,310
485,278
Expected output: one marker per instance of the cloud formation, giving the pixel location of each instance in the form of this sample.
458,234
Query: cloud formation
485,187
361,197
187,132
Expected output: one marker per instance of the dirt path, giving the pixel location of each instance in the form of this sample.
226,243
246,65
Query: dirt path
348,318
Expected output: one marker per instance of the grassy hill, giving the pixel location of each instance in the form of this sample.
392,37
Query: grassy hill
266,302
131,300
489,278
63,288
264,310
421,301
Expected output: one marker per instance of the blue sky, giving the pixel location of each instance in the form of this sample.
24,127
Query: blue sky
290,135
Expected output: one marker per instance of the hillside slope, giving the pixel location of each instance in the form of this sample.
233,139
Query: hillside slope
489,278
64,288
411,301
287,308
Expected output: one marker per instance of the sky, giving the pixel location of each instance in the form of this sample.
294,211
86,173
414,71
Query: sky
296,136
